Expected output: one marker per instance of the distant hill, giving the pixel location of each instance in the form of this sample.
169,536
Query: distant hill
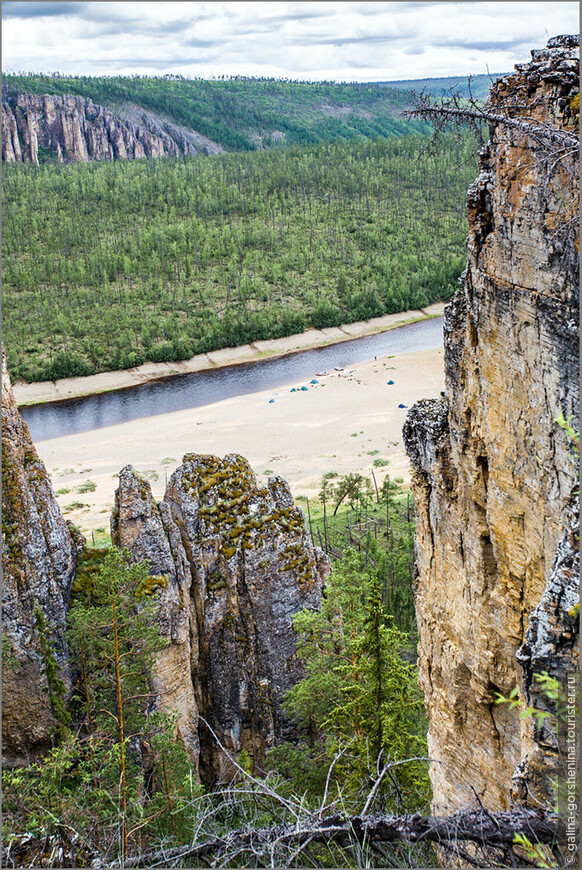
442,86
236,114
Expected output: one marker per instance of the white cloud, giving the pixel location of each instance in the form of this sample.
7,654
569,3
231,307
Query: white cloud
349,41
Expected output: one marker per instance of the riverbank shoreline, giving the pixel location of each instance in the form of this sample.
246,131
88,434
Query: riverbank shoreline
62,390
347,422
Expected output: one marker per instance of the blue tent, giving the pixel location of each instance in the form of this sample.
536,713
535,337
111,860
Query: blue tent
304,389
271,401
314,381
402,406
390,382
293,390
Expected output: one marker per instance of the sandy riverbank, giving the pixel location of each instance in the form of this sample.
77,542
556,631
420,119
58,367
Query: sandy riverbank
70,388
342,424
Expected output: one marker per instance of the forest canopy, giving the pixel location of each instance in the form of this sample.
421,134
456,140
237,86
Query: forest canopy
109,265
240,113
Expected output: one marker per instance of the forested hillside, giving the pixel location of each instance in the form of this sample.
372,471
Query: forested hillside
476,86
109,265
240,113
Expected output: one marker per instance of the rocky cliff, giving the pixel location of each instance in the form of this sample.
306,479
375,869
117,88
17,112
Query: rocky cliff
38,564
240,565
494,476
73,130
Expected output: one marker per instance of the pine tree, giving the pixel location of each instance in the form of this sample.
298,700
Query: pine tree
359,691
114,636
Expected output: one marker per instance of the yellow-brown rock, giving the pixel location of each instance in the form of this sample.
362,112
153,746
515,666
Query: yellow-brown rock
494,474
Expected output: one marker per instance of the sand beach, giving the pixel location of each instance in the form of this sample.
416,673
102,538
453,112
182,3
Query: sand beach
343,423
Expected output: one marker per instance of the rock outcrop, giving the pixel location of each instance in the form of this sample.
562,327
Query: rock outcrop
240,565
71,129
494,476
38,562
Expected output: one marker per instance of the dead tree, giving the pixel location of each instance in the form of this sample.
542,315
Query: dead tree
493,834
555,150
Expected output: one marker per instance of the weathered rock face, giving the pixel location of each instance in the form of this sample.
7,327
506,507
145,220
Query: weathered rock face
74,130
240,565
38,562
494,474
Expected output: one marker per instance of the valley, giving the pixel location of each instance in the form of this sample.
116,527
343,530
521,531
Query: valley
265,604
341,424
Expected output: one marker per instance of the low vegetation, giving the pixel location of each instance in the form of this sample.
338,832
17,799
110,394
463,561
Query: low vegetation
116,780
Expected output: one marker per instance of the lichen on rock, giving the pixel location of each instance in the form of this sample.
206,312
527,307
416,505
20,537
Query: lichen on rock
38,561
240,565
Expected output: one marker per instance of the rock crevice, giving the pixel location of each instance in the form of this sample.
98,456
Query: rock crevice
39,557
493,472
240,565
70,129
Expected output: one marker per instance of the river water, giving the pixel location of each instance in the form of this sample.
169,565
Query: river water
196,389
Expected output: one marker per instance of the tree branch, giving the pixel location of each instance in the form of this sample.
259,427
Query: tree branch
485,829
426,111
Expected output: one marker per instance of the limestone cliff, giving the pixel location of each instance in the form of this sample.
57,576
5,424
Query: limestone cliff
38,563
494,475
240,565
73,130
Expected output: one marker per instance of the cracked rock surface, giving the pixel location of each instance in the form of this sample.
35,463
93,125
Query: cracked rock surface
39,558
75,130
493,473
239,565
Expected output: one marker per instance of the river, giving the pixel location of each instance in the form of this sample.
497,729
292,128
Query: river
177,393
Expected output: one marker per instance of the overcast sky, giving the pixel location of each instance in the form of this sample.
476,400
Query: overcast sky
342,41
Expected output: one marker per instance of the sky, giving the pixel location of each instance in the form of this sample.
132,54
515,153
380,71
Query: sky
313,41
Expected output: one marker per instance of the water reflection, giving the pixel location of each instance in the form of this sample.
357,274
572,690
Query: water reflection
203,388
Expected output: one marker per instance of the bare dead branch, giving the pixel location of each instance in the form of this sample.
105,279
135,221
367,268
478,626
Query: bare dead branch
484,829
538,130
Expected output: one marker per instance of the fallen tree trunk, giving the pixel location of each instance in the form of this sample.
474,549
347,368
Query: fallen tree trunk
484,829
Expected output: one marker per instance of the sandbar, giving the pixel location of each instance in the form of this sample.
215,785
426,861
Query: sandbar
72,388
344,423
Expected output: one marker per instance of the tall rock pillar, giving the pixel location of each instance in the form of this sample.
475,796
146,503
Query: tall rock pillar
494,475
38,563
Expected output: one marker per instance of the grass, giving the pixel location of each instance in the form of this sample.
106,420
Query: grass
98,538
337,526
86,486
148,474
75,506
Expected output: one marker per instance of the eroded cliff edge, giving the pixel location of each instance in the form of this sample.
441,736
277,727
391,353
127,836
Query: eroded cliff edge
70,129
494,475
39,558
240,565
